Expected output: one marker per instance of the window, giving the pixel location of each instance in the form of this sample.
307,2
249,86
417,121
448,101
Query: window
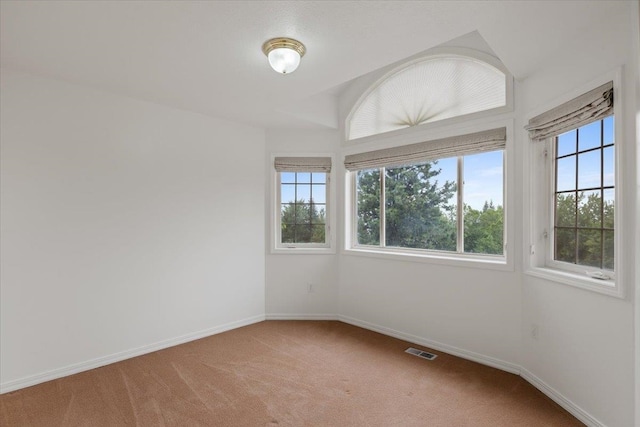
415,200
573,211
303,201
584,202
428,90
302,197
438,200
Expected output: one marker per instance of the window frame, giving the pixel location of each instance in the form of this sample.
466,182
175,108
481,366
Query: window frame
459,126
459,212
276,245
538,250
550,260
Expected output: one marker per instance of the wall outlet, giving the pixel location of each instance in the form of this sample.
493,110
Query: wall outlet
535,331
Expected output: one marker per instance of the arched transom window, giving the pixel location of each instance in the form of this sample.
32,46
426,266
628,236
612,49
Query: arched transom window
426,91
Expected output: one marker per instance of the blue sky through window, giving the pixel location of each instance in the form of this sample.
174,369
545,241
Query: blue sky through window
482,177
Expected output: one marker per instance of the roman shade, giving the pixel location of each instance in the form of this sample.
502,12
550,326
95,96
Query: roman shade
303,164
489,140
591,106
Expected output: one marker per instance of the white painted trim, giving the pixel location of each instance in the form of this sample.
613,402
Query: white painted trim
432,257
540,195
573,279
549,391
300,316
503,263
557,397
275,248
123,355
554,395
435,345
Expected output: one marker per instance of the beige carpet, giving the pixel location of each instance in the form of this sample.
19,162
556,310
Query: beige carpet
288,373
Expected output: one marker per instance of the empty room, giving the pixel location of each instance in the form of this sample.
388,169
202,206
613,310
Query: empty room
320,213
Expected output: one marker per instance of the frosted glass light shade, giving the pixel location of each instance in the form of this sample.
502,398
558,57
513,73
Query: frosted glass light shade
284,54
284,60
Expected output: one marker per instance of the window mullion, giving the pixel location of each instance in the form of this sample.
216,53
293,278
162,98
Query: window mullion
460,206
601,195
383,220
278,223
576,259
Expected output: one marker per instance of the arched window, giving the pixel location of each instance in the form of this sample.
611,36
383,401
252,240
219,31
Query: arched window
420,195
425,91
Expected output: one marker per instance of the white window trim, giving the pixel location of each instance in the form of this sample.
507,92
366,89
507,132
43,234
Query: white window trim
459,127
302,248
538,248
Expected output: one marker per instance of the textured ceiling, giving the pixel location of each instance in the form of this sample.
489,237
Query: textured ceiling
206,57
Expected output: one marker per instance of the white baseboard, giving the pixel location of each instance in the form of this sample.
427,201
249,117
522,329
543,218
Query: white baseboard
8,386
465,354
554,395
557,397
289,316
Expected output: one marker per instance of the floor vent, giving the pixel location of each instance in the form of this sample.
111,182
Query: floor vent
420,353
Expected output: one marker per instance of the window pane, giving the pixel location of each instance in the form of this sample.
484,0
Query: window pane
287,193
566,209
584,219
303,193
608,130
299,217
318,214
421,205
566,143
589,136
288,177
565,245
590,209
317,233
609,166
319,177
483,212
609,208
304,177
288,213
566,175
590,248
318,193
589,170
288,233
483,182
608,250
302,233
368,206
427,91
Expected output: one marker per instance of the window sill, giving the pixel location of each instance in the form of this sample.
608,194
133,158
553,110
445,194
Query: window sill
457,260
303,251
605,287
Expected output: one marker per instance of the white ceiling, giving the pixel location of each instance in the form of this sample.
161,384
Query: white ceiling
205,56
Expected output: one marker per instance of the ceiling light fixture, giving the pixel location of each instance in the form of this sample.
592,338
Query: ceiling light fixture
284,54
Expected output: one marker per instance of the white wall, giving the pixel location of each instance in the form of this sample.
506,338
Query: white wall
288,274
584,354
585,348
126,226
467,311
635,16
